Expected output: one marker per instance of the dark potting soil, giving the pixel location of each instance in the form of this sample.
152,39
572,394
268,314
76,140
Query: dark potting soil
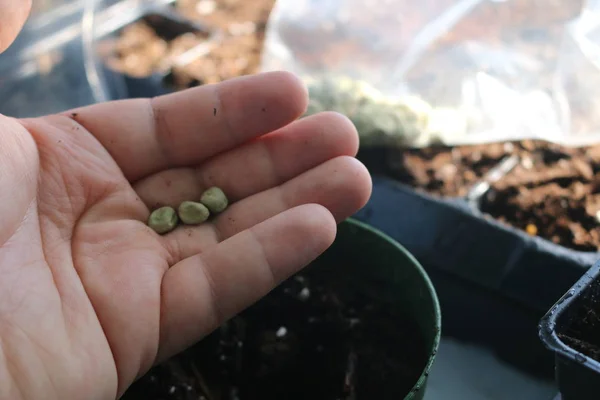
305,340
583,332
553,192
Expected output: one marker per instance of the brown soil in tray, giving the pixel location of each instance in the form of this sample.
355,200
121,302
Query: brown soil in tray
242,23
151,45
553,192
139,51
305,340
557,198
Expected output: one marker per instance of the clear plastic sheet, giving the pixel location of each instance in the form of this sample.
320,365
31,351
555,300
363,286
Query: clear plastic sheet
42,71
415,73
53,64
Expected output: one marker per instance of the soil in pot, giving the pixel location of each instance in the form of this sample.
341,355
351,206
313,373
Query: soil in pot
552,193
583,332
308,339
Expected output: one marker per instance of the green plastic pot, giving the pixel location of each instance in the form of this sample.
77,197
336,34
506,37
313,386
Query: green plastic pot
374,262
362,263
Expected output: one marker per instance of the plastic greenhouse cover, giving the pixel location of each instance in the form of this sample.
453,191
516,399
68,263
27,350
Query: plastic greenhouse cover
417,73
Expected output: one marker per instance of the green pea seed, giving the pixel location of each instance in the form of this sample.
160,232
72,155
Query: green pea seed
193,213
215,200
163,220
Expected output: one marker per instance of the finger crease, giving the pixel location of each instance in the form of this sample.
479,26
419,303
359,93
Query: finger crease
161,131
281,195
276,176
259,245
201,176
174,250
217,311
224,120
219,236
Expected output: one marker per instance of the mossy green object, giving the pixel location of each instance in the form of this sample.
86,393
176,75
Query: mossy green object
163,220
192,213
215,200
379,120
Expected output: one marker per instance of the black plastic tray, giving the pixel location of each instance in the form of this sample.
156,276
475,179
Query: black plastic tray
577,375
495,282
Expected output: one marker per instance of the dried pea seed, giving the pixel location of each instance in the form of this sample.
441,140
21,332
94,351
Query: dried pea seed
215,200
193,213
163,220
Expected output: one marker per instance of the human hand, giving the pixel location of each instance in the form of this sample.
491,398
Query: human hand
14,13
90,297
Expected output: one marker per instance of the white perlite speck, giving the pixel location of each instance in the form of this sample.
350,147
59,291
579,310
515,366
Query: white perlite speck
281,332
304,294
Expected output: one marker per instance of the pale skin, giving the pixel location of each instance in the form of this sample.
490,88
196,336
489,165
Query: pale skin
90,297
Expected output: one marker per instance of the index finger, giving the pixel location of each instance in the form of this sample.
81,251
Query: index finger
146,136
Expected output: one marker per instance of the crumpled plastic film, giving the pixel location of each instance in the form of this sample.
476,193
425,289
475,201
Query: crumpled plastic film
446,71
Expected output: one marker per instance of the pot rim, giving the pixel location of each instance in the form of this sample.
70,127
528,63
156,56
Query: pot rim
547,328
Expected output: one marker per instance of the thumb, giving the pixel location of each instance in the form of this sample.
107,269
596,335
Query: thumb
18,175
13,14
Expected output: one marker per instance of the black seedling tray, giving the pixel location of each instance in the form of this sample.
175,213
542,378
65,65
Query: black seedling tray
494,282
577,375
168,24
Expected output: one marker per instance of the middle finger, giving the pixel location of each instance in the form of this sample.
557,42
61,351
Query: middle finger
341,185
257,166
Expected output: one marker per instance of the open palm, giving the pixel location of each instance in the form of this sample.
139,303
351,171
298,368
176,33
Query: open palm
90,297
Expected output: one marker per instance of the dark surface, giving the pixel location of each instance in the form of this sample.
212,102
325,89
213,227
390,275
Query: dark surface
477,316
